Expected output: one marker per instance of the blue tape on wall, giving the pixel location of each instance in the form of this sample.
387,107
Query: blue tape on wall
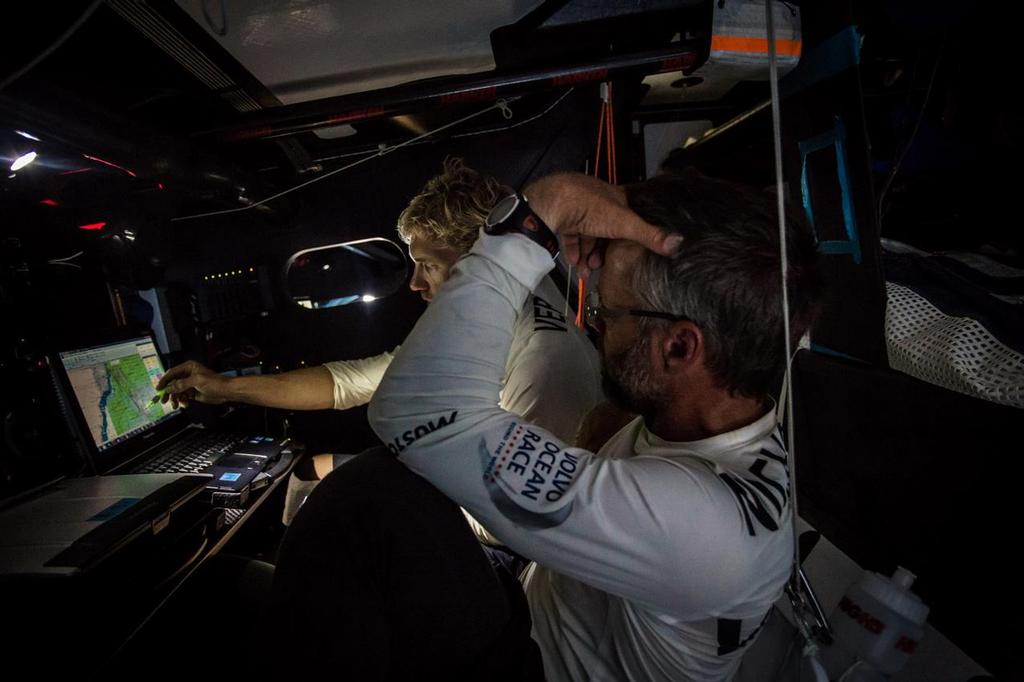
832,139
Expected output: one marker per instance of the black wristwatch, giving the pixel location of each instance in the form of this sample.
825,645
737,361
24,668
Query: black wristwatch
513,214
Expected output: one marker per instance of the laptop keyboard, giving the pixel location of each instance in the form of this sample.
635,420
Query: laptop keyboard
191,455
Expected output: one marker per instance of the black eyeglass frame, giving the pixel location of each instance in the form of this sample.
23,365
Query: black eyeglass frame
592,313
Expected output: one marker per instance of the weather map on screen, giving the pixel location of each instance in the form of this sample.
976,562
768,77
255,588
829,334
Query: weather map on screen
114,386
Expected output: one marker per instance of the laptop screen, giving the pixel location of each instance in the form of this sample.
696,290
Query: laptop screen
114,385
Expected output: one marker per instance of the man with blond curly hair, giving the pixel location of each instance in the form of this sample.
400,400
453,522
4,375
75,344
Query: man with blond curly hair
552,377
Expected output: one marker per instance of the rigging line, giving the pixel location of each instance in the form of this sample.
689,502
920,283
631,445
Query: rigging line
67,258
780,207
613,171
53,46
520,123
910,140
373,152
600,134
501,104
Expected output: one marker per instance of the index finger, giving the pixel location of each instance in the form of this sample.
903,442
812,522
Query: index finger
176,372
178,386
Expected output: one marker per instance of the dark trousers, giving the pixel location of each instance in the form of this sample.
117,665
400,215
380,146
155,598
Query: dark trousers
380,578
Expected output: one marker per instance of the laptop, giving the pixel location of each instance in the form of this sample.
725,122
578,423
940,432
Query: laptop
107,392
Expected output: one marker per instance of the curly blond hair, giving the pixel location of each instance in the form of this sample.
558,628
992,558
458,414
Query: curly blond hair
452,206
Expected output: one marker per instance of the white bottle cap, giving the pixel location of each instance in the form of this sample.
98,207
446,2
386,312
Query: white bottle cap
903,578
894,594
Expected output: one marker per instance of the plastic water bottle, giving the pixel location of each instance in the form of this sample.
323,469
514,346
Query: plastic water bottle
877,626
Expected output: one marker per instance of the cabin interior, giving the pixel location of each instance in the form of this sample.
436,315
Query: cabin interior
165,161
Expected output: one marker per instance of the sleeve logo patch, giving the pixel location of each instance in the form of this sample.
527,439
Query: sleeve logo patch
528,477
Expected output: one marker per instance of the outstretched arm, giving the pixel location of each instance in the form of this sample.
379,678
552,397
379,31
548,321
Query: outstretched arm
303,389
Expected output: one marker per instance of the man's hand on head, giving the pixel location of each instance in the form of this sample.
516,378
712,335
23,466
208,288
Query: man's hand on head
586,212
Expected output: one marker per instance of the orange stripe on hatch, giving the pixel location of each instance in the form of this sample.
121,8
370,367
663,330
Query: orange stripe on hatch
758,45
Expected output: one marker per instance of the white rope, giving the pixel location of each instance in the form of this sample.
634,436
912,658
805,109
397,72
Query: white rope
781,208
802,595
82,18
501,104
63,260
507,113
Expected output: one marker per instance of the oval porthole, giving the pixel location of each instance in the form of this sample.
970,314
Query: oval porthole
356,272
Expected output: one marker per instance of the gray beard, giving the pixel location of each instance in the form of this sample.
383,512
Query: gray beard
628,382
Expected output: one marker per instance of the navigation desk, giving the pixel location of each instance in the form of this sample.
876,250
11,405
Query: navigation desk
127,611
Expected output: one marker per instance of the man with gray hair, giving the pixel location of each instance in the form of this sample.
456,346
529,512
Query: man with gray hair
658,557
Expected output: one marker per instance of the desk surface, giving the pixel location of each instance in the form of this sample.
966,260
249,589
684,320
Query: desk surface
88,625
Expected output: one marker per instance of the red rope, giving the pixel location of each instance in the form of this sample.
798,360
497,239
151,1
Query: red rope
600,131
605,124
613,170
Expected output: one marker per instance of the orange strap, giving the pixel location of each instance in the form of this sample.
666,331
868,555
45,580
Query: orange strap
581,290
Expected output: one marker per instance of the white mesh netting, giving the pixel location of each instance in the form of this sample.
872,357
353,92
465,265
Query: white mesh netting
953,352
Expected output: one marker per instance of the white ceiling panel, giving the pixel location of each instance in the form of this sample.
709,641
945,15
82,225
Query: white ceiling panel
310,49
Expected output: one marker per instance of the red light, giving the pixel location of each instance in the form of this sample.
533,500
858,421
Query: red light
49,202
92,226
109,163
159,185
77,170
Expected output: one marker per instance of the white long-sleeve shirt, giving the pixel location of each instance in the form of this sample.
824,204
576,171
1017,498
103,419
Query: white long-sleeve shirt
355,381
552,375
653,560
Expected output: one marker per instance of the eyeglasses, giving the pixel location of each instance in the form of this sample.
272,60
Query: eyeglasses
596,314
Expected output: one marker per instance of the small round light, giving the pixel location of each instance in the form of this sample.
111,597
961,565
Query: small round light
367,298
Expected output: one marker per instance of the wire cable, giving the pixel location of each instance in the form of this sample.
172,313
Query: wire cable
53,46
518,123
501,104
798,598
600,136
67,258
613,170
783,256
910,141
488,131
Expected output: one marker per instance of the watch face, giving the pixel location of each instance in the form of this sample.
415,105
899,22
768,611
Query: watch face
502,210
